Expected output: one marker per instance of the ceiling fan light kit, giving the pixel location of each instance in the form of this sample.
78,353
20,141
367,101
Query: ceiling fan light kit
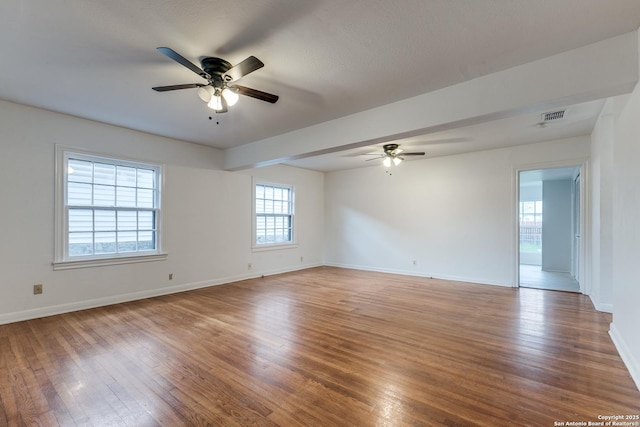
218,93
214,97
230,96
389,159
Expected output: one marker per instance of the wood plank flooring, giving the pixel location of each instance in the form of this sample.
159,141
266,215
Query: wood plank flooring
319,347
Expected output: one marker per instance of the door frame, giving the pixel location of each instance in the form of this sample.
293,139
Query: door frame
576,194
584,250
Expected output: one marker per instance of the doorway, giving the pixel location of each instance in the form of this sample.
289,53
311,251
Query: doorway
549,224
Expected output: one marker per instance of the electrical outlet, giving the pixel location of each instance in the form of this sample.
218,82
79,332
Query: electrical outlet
301,259
415,262
170,276
37,289
249,266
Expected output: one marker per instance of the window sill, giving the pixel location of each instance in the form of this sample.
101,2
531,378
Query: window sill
99,262
274,247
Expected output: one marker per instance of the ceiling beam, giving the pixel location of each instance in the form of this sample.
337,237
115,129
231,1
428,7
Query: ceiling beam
600,70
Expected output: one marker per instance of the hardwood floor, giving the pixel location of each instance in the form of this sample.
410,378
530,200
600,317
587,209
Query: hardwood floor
320,347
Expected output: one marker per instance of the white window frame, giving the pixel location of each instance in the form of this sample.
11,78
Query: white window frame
62,260
280,245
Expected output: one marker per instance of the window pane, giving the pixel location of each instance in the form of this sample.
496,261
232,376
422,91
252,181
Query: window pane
528,207
104,195
259,206
80,244
145,198
79,171
146,220
127,241
126,196
268,206
105,220
146,240
146,178
104,174
268,192
78,194
80,220
105,243
127,220
259,192
126,176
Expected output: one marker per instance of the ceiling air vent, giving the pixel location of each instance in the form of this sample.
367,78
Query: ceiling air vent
553,115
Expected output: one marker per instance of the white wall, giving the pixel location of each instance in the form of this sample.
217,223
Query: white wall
626,235
455,216
557,235
602,173
207,217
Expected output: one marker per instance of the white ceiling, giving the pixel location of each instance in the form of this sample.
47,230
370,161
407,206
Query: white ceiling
579,119
325,58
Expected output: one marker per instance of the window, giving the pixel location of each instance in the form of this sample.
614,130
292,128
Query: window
531,226
108,208
273,215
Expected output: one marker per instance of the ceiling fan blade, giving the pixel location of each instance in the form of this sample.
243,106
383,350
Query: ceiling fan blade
177,87
254,93
247,66
422,153
357,154
375,158
183,61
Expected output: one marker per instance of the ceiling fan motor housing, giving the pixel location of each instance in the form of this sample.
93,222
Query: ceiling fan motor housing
388,148
215,67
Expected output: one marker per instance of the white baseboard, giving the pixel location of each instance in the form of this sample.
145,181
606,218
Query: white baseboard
419,274
287,270
633,365
36,313
607,308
